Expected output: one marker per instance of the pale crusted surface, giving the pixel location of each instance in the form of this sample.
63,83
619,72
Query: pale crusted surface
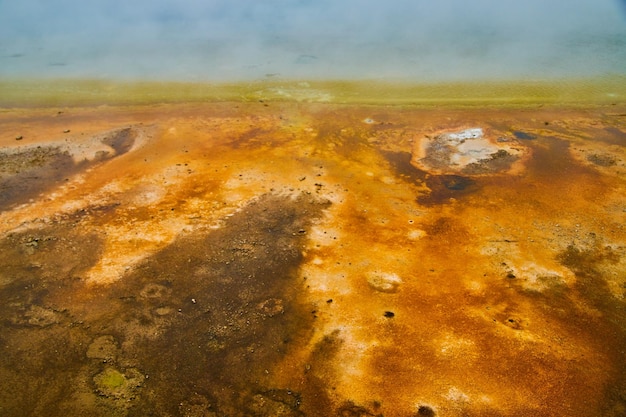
469,151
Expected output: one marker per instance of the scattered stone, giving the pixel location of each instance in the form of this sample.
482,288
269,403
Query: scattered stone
272,307
39,316
19,137
153,290
196,406
601,160
514,323
426,411
384,282
274,403
350,409
103,347
163,311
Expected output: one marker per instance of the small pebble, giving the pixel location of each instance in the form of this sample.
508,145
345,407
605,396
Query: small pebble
19,137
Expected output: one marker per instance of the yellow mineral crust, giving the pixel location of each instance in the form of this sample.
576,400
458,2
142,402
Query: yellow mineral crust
291,258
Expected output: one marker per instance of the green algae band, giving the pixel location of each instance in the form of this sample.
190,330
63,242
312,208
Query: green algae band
562,92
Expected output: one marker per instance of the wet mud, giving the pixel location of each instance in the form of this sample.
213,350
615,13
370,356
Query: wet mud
171,334
291,259
27,172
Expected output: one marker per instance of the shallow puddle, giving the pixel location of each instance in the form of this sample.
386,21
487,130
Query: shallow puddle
305,259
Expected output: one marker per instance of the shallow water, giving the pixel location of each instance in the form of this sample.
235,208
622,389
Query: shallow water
420,41
322,208
288,258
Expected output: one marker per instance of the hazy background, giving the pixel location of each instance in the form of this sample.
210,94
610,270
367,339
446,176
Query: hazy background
423,40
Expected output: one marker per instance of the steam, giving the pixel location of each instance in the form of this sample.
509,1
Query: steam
251,39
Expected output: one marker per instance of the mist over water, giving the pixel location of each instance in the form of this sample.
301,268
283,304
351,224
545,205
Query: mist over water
221,40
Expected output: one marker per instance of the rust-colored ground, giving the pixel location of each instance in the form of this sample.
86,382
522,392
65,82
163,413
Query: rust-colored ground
289,259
